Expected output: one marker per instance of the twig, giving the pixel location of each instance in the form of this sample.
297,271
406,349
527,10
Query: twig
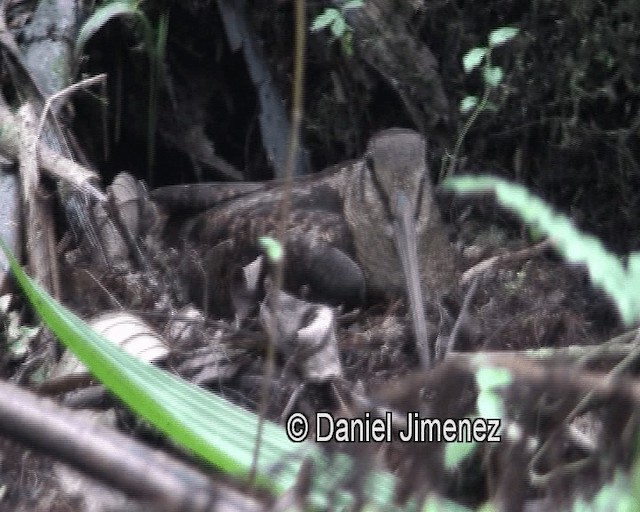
463,317
83,84
615,348
494,261
582,406
527,371
55,164
112,457
40,238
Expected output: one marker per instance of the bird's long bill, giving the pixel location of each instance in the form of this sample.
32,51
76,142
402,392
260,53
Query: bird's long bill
404,231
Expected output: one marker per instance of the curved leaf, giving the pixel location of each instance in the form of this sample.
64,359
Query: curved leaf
352,4
492,75
323,20
272,248
338,27
209,426
501,35
101,16
473,58
468,103
456,452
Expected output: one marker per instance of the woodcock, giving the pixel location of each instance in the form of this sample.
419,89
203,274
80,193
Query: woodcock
369,225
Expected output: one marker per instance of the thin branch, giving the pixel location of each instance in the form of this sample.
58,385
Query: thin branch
494,261
285,205
112,457
52,162
83,84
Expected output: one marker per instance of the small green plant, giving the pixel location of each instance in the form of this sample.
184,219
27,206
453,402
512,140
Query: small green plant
17,337
334,20
272,247
491,77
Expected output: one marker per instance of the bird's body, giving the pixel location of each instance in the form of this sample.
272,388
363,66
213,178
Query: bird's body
344,224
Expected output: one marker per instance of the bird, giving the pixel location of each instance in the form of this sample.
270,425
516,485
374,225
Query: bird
367,227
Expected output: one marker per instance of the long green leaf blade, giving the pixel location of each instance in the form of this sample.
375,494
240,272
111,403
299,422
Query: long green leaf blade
207,425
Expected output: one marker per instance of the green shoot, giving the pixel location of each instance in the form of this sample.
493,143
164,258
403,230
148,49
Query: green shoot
491,77
334,20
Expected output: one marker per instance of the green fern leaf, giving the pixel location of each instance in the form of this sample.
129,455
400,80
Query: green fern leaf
605,268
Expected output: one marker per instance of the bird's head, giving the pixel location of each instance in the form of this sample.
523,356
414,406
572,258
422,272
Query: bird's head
397,162
397,165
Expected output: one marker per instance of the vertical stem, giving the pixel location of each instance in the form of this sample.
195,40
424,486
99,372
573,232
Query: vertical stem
297,109
463,133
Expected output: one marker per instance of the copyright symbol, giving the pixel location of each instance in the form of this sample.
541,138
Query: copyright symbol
297,427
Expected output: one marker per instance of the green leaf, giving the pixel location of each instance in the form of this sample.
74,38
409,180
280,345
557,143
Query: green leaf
467,104
605,269
156,63
181,410
352,4
216,430
473,58
492,75
456,452
489,507
271,247
489,378
434,503
101,16
346,42
339,27
325,19
501,35
490,405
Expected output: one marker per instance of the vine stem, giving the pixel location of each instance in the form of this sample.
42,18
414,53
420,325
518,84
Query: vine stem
453,159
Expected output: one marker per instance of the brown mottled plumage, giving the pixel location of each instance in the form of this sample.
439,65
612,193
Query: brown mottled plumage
346,223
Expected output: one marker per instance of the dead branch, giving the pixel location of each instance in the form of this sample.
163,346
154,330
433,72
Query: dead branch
112,457
55,164
40,236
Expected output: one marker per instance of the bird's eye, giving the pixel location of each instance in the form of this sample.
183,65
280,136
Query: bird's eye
368,160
